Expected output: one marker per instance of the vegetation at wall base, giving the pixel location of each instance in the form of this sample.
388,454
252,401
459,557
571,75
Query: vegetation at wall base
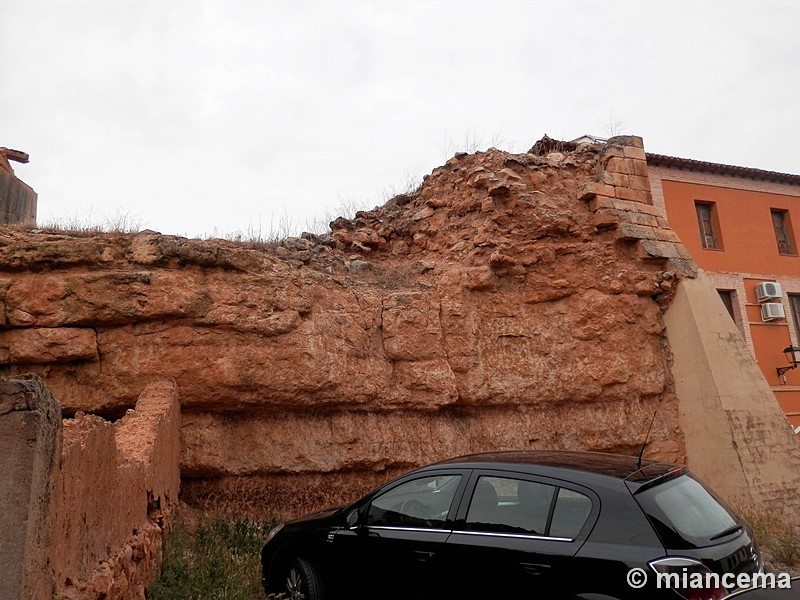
779,540
219,560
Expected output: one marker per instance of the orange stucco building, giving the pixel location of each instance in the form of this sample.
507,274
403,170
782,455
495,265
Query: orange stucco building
741,227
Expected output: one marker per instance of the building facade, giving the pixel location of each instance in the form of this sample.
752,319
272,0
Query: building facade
741,227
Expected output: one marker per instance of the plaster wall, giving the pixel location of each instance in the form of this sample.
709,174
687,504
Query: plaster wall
736,435
29,422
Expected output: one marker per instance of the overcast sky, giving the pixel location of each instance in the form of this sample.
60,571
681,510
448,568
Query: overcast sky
204,118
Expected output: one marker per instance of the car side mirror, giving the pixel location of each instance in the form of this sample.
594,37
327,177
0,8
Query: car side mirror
352,519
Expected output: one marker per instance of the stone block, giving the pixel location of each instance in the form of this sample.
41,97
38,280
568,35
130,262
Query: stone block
605,218
594,188
635,153
683,267
637,182
639,218
627,140
611,151
658,249
683,252
615,179
666,235
599,202
44,345
631,231
637,207
620,165
633,195
647,209
626,205
640,168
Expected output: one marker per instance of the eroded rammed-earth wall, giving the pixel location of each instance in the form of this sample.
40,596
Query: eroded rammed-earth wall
513,301
493,308
85,502
114,491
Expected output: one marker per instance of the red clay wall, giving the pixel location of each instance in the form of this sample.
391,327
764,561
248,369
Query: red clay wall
492,309
115,486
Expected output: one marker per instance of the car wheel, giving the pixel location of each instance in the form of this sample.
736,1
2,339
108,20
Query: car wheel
302,581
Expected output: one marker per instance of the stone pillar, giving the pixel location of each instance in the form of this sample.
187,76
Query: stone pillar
621,200
30,421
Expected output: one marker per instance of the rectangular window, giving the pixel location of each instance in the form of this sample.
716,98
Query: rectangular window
506,505
707,222
794,304
728,300
780,221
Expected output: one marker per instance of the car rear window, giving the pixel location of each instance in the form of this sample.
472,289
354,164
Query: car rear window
685,514
509,505
571,511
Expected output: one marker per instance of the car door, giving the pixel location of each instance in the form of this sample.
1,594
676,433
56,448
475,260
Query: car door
515,536
395,547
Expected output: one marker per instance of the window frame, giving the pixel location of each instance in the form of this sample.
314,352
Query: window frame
460,526
547,512
708,225
794,307
783,231
731,304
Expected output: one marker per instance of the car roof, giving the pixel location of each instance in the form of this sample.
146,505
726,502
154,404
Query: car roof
611,465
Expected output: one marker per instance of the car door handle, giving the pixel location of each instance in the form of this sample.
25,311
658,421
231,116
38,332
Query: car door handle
534,568
422,555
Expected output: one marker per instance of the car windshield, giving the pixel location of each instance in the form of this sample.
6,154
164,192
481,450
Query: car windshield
685,514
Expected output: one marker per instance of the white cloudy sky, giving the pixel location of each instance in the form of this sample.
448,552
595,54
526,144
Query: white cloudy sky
217,117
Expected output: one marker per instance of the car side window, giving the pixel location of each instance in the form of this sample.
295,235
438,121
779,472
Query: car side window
506,505
423,502
570,514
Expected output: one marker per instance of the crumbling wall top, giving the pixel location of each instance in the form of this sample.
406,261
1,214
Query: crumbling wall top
7,154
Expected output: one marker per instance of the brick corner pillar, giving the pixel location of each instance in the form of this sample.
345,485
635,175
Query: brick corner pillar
30,427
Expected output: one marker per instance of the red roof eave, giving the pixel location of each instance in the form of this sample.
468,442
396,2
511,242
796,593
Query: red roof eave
689,164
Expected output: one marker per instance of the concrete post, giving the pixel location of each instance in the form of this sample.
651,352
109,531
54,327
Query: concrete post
737,438
30,421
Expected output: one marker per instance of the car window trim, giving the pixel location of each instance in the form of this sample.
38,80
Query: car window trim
414,529
527,536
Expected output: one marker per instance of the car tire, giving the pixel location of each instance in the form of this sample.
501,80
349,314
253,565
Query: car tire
302,581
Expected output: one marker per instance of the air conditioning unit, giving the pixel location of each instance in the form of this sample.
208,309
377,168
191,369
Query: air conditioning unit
768,290
772,311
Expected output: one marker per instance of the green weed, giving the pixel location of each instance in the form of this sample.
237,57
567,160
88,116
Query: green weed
219,561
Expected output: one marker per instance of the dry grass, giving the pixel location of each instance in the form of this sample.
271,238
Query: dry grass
89,224
778,539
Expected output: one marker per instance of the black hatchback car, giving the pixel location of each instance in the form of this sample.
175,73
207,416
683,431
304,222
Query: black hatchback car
532,525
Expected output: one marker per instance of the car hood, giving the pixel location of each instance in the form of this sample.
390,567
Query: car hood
319,515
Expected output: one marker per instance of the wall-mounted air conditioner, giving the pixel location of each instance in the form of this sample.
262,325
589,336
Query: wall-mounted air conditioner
768,290
772,311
